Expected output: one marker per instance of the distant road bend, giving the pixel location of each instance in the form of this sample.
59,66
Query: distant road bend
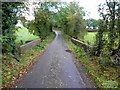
54,69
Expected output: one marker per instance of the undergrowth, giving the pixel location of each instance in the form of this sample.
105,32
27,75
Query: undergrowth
105,75
12,70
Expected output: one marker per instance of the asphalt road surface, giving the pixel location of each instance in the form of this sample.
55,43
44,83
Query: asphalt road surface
54,69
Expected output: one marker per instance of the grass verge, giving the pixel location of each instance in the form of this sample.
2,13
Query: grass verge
104,75
12,70
23,34
89,37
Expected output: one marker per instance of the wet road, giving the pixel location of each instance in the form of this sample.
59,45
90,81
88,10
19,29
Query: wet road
54,69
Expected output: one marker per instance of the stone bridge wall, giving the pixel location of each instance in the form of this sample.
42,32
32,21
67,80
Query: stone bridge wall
85,46
29,45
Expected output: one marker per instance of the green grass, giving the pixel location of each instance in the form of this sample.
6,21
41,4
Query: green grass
13,69
24,35
104,76
90,37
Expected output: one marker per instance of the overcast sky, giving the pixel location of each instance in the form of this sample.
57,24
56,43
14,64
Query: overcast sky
91,6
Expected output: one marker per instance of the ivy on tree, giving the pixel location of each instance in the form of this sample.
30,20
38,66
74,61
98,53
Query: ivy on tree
9,20
109,41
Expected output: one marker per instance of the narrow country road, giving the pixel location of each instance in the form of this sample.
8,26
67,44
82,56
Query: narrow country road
54,69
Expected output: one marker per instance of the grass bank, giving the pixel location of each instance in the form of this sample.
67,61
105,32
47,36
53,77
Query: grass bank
89,37
105,75
22,33
12,70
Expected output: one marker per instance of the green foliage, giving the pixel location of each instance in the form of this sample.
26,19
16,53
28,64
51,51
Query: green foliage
9,19
104,76
108,36
90,37
110,84
69,17
42,25
44,19
92,23
109,62
75,26
23,34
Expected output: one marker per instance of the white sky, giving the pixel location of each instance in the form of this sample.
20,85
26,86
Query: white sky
91,6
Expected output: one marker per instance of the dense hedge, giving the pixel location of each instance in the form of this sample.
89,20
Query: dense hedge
108,43
9,20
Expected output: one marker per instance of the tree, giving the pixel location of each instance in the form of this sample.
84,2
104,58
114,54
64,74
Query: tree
92,23
69,17
74,24
108,41
9,20
42,25
59,13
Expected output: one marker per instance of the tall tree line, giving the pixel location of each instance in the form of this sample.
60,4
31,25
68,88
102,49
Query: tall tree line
70,19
